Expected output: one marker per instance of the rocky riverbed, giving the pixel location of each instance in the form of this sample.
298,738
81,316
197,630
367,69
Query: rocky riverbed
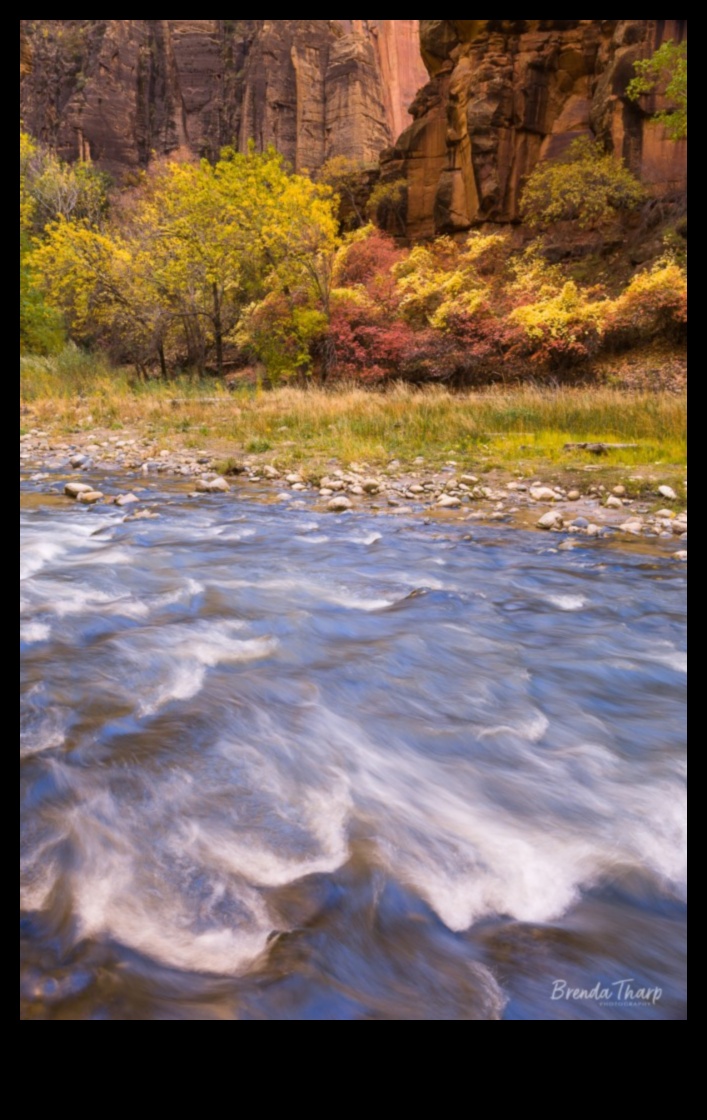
87,468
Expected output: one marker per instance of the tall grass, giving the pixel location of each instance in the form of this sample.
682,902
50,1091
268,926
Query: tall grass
311,425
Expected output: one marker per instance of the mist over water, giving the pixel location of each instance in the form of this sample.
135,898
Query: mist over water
281,765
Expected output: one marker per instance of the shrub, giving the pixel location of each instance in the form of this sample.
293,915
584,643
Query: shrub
563,328
653,304
666,71
587,185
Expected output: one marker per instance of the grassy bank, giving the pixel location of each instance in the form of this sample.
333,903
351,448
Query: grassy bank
520,428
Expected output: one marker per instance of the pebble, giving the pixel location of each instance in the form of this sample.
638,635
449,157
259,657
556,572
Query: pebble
682,556
77,461
340,504
668,492
633,527
75,489
574,496
271,472
614,503
293,479
449,502
126,500
580,523
370,486
469,479
142,515
679,527
619,491
666,514
90,497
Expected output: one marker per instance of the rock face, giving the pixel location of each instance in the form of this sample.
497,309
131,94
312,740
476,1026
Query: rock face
117,91
505,94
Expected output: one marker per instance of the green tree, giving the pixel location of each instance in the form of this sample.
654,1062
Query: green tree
665,72
587,185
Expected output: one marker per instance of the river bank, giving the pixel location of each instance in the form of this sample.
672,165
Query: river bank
578,499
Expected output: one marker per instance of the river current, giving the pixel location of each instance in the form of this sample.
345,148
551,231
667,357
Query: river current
276,764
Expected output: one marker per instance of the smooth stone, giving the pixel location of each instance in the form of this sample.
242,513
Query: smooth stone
614,503
469,479
580,523
633,527
679,527
90,497
550,521
682,556
340,504
77,460
619,491
357,491
213,486
142,515
668,492
293,479
448,502
544,494
574,496
75,489
271,472
370,485
126,500
666,514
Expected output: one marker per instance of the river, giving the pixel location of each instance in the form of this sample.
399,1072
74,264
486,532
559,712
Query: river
276,764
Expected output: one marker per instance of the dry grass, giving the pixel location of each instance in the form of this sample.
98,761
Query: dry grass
520,426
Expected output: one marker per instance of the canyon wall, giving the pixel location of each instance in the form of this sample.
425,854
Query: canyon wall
504,94
119,91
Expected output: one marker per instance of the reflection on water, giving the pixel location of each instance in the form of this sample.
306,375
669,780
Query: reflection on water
277,765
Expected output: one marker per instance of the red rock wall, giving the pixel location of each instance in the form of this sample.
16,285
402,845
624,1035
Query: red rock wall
120,90
504,94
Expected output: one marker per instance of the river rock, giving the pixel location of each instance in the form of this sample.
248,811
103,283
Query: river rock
77,461
213,486
90,497
668,492
126,500
614,503
469,479
75,489
574,496
550,521
682,556
370,485
580,523
447,501
340,504
544,494
271,472
679,527
634,527
619,491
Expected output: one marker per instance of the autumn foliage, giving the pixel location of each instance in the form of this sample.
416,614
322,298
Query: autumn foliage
243,263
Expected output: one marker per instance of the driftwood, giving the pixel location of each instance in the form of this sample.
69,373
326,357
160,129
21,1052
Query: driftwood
601,448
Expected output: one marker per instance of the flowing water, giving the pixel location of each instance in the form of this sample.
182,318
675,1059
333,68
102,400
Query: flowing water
281,765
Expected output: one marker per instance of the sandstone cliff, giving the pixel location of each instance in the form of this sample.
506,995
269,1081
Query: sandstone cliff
504,94
116,91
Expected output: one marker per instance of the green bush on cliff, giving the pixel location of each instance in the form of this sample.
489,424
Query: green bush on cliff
587,185
665,71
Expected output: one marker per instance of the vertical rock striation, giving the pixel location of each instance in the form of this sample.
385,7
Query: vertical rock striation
504,94
117,91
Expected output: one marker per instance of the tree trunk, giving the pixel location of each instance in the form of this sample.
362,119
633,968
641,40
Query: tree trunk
218,330
163,362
